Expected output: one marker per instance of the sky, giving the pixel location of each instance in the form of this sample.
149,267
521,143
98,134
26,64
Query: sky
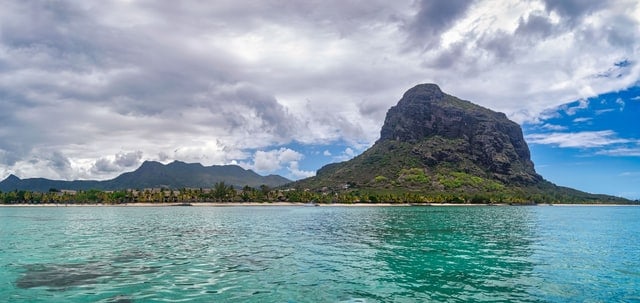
91,89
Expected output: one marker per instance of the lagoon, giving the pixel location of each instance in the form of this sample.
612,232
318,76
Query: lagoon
320,254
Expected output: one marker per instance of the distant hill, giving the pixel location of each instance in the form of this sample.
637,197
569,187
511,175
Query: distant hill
432,143
153,174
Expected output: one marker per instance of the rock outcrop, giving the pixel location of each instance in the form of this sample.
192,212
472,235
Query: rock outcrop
447,129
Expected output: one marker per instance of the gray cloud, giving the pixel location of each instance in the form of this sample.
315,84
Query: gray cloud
247,109
536,25
117,163
434,17
104,165
8,158
128,159
59,161
574,9
499,44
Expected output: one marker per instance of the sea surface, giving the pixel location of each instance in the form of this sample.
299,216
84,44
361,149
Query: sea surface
320,254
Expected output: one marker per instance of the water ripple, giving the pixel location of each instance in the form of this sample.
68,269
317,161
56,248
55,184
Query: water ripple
300,254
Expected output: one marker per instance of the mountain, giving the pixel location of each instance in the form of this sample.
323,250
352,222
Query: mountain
434,143
153,174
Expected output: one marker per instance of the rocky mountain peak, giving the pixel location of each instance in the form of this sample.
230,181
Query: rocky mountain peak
432,141
13,177
445,129
423,92
426,111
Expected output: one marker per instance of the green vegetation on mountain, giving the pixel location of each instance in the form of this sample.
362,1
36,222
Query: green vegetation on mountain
434,147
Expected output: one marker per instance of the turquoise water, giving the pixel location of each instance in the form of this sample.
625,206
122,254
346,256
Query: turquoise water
320,254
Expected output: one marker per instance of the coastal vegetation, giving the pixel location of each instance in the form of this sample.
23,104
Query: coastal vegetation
221,192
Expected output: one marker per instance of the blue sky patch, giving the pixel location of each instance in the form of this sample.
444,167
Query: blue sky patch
591,144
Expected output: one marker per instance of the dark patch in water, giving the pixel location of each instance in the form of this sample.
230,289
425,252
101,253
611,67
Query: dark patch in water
62,275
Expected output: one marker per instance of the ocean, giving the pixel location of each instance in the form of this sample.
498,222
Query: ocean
320,254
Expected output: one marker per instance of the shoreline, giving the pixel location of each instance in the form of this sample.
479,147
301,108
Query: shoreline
268,204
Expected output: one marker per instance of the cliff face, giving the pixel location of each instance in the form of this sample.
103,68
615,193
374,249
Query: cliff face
444,128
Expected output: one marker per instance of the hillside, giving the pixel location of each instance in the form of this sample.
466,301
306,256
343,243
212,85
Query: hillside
154,174
435,144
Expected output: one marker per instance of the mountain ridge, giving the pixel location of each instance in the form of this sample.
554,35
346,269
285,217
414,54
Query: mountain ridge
153,174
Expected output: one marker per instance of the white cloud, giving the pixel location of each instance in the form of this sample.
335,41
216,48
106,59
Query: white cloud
289,155
584,139
621,103
621,152
326,153
273,160
582,104
347,154
582,120
296,173
554,127
604,111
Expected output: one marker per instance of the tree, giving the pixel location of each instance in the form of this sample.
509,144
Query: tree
248,194
264,192
221,192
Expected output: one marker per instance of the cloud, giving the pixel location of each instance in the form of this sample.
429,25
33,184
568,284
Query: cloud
215,81
58,160
554,127
347,154
621,103
246,109
104,165
129,159
298,173
117,163
603,111
621,152
8,158
433,18
572,110
582,119
573,10
272,160
535,25
586,139
275,160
